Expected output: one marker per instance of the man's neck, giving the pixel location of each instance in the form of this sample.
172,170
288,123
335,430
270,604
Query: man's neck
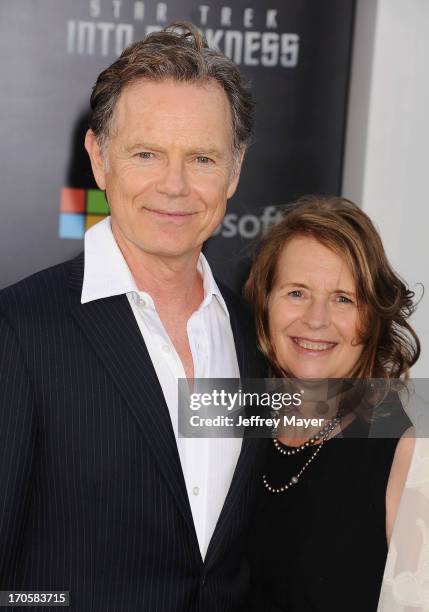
168,280
175,287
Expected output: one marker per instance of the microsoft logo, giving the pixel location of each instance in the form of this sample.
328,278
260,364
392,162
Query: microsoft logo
79,210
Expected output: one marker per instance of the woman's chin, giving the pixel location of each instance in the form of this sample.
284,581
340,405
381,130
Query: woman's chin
311,373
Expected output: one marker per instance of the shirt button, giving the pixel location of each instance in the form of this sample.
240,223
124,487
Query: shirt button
142,302
195,490
166,348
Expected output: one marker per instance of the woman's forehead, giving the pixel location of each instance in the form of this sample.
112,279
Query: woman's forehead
305,259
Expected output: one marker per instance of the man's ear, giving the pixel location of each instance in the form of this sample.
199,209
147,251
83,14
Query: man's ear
235,175
96,157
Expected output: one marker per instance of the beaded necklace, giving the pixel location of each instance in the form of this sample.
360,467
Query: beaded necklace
323,434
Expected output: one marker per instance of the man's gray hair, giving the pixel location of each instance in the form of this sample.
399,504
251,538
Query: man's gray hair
181,53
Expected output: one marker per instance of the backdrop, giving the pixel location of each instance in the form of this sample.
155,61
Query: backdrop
296,54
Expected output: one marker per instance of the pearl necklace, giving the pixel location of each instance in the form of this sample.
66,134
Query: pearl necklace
298,449
323,433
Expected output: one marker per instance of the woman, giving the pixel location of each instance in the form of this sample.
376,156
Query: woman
328,306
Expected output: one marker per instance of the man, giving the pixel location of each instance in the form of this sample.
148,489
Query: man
98,496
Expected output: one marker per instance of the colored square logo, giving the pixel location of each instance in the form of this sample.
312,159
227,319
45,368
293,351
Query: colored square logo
72,225
96,202
80,209
92,220
72,200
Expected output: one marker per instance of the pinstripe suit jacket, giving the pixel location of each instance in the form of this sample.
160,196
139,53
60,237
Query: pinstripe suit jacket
92,495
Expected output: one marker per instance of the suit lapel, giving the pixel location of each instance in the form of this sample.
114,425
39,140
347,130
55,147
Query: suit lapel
251,450
111,329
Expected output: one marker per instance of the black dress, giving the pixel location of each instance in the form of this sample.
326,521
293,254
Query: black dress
321,545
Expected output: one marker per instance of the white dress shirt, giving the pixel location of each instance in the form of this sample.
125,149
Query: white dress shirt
208,463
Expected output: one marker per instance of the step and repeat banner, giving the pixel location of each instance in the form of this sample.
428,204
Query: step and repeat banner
296,54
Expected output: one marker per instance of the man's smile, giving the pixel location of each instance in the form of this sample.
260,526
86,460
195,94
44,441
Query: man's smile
170,215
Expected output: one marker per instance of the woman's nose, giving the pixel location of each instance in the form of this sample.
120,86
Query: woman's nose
317,314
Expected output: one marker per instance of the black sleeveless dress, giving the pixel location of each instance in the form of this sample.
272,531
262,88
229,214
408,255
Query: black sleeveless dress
321,545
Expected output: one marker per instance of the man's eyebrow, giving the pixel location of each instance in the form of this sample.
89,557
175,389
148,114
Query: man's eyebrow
212,152
147,146
142,146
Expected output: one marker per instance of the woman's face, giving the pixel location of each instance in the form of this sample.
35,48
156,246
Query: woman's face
313,318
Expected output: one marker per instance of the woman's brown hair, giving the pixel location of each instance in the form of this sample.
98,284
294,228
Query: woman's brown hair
384,302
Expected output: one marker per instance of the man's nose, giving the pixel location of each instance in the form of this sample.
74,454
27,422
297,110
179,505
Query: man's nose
317,314
173,181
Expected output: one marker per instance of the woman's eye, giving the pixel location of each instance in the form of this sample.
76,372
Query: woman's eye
344,300
296,293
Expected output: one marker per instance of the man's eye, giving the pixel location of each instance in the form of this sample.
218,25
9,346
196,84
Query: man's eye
296,293
145,155
202,159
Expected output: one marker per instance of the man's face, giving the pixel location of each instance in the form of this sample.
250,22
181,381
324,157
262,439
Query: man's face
169,165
